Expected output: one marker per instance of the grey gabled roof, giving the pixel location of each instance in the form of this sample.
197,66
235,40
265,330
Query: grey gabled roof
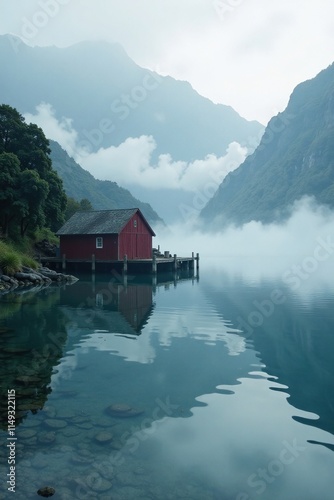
100,222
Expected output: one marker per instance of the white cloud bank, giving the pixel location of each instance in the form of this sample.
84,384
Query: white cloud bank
61,130
131,162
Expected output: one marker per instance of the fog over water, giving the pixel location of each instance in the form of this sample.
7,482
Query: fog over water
299,250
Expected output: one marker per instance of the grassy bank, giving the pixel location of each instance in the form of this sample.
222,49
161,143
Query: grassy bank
12,258
19,252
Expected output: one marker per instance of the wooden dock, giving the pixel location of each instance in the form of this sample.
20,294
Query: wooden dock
153,266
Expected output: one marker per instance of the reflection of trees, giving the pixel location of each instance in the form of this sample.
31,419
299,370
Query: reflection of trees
32,335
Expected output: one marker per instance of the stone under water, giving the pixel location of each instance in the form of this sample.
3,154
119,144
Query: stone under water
123,411
46,492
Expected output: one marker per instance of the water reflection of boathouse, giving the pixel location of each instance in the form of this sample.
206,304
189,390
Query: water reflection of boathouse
115,306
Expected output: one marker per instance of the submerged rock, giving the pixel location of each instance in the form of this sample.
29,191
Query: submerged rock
46,492
121,410
54,423
71,431
97,483
85,425
80,459
46,437
65,413
26,433
103,437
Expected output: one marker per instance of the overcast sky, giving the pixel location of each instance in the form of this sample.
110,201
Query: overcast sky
249,54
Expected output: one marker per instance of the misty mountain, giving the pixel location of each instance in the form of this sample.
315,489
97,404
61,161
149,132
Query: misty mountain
110,98
103,195
295,158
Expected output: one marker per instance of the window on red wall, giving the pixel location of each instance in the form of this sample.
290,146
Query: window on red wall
99,242
135,223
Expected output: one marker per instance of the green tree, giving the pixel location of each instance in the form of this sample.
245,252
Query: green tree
71,207
74,206
9,193
55,203
85,205
11,129
32,192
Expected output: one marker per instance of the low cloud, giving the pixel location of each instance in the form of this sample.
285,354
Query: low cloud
131,163
61,130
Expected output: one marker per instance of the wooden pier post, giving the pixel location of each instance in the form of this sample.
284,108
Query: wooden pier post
192,260
93,263
154,264
64,262
175,262
197,262
125,264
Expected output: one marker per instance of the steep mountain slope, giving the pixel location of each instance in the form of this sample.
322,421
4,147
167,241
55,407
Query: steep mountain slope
78,184
295,158
110,98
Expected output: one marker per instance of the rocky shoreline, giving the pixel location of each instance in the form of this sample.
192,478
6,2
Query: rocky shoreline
28,277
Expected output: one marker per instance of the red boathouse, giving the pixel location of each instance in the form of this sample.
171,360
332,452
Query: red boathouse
107,234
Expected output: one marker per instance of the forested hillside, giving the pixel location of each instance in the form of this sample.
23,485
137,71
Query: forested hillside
103,195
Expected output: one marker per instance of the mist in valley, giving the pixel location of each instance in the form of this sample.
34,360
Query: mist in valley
298,251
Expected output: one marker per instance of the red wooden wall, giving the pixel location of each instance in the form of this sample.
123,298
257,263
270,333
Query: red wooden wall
135,241
84,246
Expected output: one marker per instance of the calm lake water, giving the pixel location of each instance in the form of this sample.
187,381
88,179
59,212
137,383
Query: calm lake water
216,388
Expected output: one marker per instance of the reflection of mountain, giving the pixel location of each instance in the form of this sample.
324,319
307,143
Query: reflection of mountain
295,342
32,336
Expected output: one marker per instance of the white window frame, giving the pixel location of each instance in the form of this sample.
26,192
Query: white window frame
99,242
135,223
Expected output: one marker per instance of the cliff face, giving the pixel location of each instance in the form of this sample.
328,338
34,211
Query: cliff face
295,158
